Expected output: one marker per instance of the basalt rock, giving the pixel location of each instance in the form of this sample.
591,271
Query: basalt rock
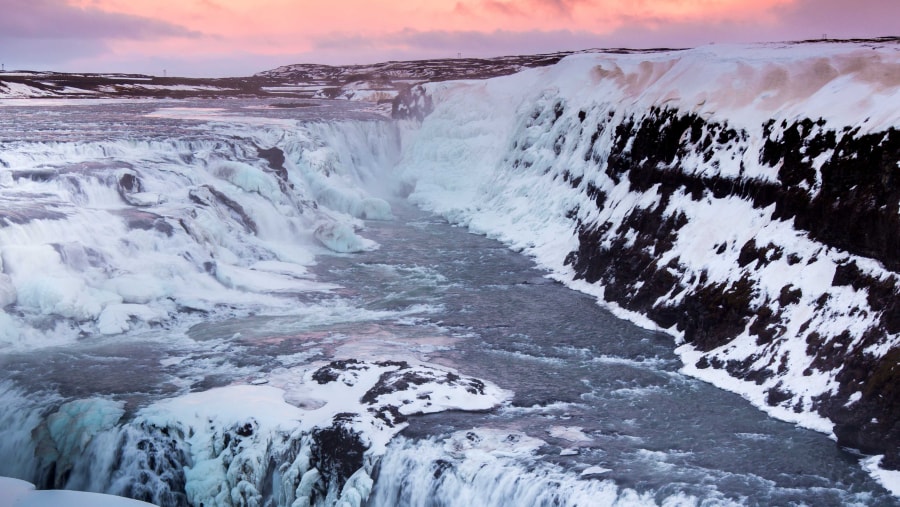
837,185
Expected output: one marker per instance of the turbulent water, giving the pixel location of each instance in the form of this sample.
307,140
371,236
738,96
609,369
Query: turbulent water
253,376
611,417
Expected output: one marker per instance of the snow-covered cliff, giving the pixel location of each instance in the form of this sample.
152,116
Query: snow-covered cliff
743,198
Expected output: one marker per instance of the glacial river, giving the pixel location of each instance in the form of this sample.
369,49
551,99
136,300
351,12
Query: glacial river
584,381
600,413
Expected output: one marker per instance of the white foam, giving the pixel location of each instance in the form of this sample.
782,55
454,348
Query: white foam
890,479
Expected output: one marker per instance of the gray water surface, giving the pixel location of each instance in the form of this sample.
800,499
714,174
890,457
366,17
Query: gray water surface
573,364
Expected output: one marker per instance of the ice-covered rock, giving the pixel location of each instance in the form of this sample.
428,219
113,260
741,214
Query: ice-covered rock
342,238
324,427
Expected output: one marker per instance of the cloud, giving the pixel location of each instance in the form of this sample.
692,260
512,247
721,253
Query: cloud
502,8
415,44
841,19
520,8
38,54
497,43
560,6
52,32
800,20
56,20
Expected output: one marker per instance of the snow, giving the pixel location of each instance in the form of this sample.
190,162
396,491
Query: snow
10,90
890,479
17,493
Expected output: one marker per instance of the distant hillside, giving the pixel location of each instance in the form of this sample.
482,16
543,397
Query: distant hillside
380,82
384,81
28,84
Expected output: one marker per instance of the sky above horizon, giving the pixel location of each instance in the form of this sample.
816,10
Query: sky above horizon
216,38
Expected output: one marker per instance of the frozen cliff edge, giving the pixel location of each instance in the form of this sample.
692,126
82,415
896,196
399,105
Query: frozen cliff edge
314,435
743,198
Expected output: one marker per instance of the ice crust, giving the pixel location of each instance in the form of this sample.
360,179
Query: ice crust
324,426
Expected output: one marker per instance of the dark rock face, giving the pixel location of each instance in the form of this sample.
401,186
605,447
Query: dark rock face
839,186
332,371
873,423
857,207
338,452
412,103
275,157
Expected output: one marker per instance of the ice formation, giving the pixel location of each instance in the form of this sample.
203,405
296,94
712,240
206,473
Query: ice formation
127,234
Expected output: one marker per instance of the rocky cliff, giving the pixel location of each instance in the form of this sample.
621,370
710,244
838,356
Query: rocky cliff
744,199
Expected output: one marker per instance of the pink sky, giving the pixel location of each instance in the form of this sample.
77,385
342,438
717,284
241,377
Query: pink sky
241,37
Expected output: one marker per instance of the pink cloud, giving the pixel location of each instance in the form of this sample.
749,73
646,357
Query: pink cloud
219,36
55,19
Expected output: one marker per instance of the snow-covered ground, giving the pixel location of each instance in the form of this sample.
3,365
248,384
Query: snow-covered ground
16,493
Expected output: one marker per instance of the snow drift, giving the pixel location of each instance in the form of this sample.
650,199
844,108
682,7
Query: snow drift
743,198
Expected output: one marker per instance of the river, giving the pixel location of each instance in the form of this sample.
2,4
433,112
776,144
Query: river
599,412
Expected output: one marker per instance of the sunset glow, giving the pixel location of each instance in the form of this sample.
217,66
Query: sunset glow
239,37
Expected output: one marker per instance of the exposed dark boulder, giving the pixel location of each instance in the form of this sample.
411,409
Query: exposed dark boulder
337,452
